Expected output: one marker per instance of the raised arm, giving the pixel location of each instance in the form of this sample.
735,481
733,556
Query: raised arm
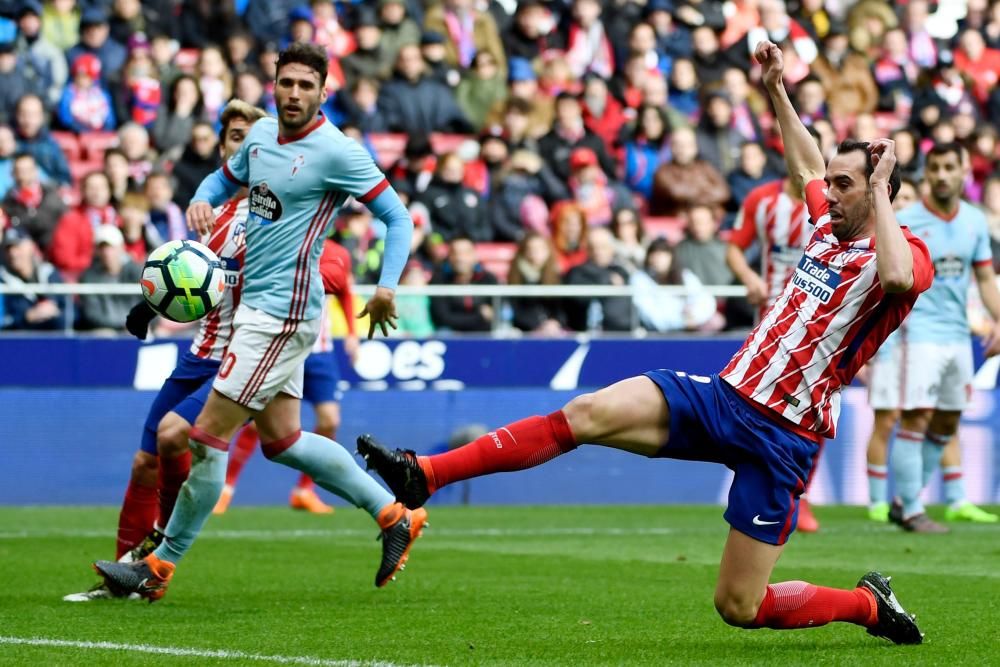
802,155
893,253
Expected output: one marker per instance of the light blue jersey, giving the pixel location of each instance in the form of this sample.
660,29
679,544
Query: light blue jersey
956,245
296,188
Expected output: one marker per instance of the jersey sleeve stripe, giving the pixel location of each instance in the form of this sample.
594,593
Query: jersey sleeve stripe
228,174
374,192
983,262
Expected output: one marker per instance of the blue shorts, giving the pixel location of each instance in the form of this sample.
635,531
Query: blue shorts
184,393
709,421
322,375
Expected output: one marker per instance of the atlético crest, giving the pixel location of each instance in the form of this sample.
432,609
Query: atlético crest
298,163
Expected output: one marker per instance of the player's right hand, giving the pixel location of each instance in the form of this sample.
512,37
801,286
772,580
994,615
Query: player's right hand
138,319
200,217
772,62
756,290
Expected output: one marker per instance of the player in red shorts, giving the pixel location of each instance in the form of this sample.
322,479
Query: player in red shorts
763,414
775,215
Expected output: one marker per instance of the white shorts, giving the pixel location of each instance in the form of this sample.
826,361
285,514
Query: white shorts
912,376
265,357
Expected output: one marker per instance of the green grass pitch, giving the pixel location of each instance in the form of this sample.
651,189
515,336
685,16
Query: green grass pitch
485,586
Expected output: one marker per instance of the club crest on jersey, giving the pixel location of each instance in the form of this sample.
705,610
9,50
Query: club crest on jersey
254,152
298,163
265,207
815,279
239,234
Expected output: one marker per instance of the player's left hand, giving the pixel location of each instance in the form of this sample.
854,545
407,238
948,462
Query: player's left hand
883,152
991,342
381,310
351,347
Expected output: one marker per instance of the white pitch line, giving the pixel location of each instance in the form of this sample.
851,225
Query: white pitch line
353,532
179,651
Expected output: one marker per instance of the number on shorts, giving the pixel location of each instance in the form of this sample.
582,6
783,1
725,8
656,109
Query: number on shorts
227,365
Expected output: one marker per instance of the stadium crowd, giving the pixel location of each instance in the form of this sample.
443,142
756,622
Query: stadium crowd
572,142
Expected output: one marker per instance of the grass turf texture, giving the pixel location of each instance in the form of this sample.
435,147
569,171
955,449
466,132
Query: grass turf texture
500,586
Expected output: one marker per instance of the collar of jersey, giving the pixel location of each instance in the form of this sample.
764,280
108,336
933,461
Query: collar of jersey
320,119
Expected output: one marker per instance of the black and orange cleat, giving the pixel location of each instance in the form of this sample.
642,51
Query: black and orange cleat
893,622
399,468
400,529
148,577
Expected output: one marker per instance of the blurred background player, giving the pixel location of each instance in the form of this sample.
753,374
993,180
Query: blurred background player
775,216
319,387
163,459
933,355
300,170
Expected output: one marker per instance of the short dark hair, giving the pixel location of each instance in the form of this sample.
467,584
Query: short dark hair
310,55
945,148
23,155
851,145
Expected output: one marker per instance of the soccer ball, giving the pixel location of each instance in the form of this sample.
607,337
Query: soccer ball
183,281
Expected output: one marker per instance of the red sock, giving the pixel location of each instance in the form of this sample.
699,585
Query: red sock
240,453
523,444
797,604
173,474
305,483
137,517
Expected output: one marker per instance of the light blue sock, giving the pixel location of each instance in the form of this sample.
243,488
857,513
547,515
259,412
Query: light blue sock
195,501
878,484
933,450
954,485
334,469
907,468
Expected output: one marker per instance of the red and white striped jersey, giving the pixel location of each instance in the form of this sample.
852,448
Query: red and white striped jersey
780,223
829,320
335,269
228,241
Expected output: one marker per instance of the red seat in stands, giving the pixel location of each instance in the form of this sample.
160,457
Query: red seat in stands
95,143
80,168
69,143
669,228
496,258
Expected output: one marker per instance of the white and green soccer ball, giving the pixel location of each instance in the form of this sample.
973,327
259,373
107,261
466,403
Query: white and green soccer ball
183,281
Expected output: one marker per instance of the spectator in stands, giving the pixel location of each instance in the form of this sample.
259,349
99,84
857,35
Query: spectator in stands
686,179
8,150
630,246
569,133
896,74
214,80
61,23
978,61
72,249
95,39
202,22
163,48
33,137
612,313
370,59
467,31
569,234
111,266
672,38
414,310
710,63
47,59
751,172
592,190
530,33
200,158
526,100
846,76
398,29
116,169
249,88
165,216
455,209
15,81
647,148
602,113
702,251
267,19
182,110
701,12
535,263
86,105
360,106
746,102
588,48
127,19
139,234
462,313
138,91
414,104
33,206
526,175
718,141
22,264
240,54
991,207
133,140
481,89
683,88
300,27
810,100
671,312
432,48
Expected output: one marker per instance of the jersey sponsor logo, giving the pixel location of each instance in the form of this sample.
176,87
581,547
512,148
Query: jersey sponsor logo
949,267
815,279
265,207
